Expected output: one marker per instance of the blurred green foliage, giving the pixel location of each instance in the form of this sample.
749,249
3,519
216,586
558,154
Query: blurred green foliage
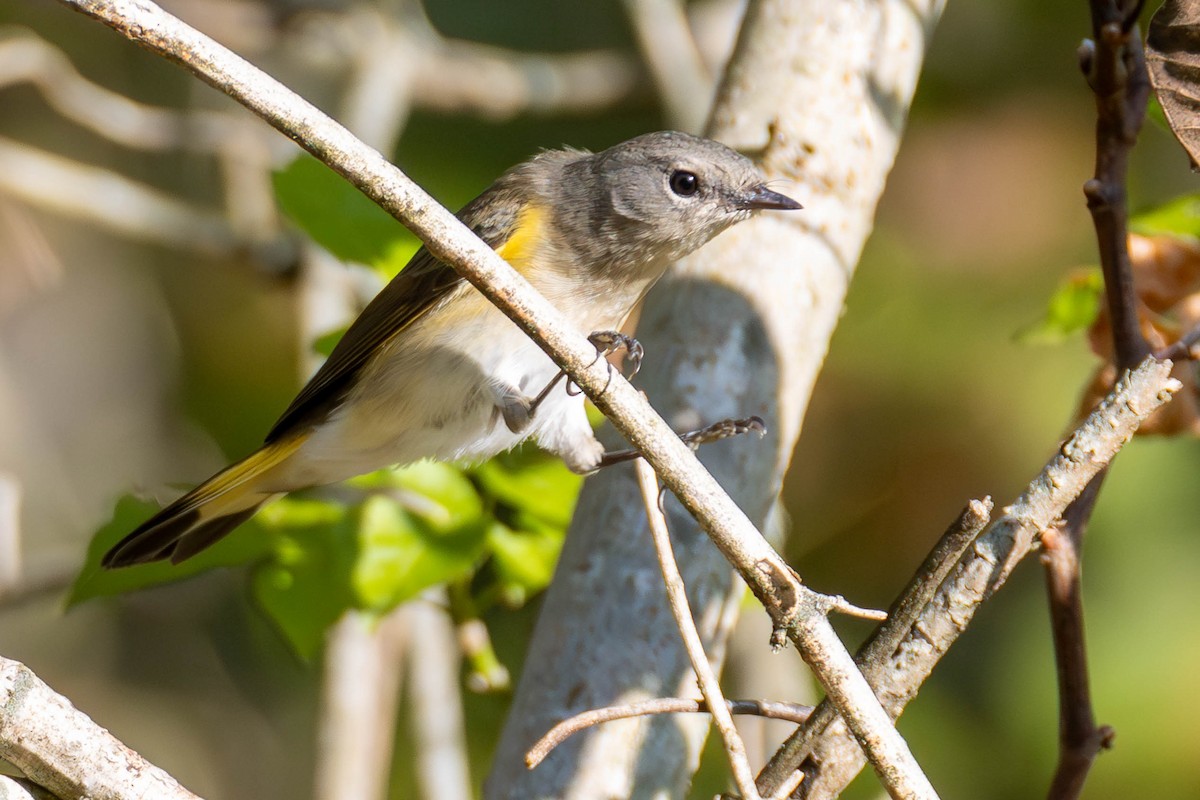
381,539
1071,309
1179,216
925,400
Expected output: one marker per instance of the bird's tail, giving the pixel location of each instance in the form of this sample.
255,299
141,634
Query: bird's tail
205,514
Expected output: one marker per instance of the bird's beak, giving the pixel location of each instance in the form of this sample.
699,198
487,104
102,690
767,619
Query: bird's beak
760,198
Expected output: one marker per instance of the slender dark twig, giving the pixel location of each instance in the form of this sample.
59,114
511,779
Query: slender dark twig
769,709
706,676
1080,739
1115,67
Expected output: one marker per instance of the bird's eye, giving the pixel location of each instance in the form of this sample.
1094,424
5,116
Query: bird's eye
684,183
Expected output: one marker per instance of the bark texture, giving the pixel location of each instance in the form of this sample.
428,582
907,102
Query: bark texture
818,92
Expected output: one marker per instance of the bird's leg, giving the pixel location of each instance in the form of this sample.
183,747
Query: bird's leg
712,433
606,343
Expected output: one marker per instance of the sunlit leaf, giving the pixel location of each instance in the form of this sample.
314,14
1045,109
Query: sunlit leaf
437,493
1178,217
533,482
339,217
400,555
324,344
1072,308
396,256
523,560
305,586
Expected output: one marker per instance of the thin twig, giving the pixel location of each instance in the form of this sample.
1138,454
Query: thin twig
1115,67
706,678
676,66
1080,739
27,58
874,657
822,748
485,671
112,201
768,709
1184,349
459,76
792,606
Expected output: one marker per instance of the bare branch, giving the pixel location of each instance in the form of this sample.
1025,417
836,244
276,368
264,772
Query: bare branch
1115,67
706,677
457,76
26,58
792,605
61,749
111,201
768,709
829,756
358,706
665,38
818,92
485,671
10,534
1080,739
435,694
19,789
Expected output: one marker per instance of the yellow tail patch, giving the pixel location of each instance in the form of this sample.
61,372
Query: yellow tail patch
238,476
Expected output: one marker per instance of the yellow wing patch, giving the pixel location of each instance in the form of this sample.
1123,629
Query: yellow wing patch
522,244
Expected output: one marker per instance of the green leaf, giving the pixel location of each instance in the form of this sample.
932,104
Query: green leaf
339,217
1072,308
530,481
305,587
249,543
324,344
1155,113
1178,217
397,255
401,554
437,493
524,560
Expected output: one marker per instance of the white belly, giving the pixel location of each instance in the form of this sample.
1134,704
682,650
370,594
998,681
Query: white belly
433,395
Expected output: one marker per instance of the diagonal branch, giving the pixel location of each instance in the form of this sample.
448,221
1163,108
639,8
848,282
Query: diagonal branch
1115,67
794,607
822,747
59,748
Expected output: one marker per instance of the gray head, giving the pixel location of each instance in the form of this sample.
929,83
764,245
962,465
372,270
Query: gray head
656,197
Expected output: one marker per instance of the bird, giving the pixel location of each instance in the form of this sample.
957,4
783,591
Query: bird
432,370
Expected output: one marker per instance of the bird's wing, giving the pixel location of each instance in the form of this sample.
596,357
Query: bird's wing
422,283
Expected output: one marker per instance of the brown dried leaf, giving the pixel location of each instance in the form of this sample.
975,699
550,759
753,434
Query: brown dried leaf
1173,57
1166,273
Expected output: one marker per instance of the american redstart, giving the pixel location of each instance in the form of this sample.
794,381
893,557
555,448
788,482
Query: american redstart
431,369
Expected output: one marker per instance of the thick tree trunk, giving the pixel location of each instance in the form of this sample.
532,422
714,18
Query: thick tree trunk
818,92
